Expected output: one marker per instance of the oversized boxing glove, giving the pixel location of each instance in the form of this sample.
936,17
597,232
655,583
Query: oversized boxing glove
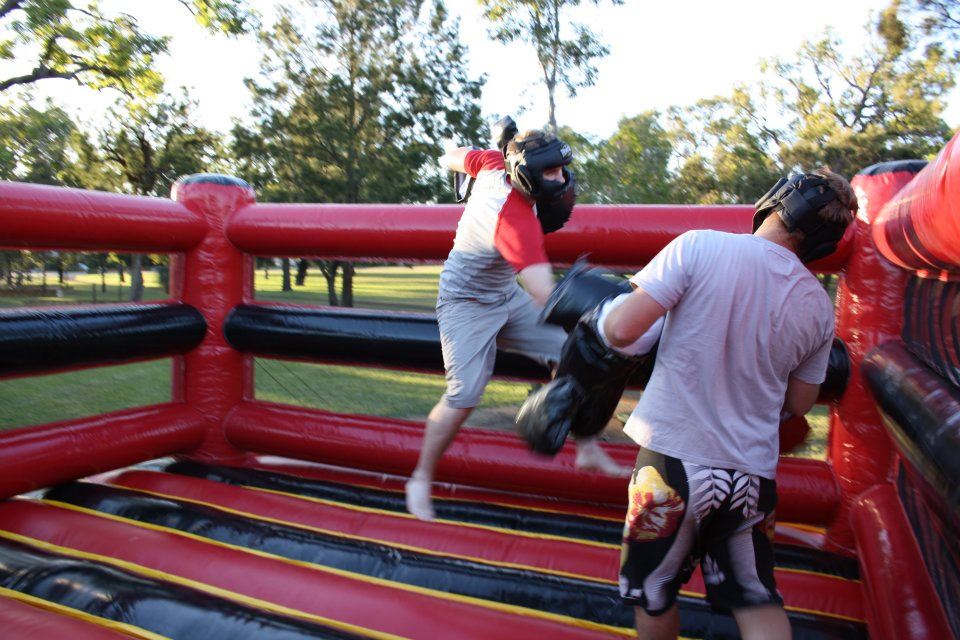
582,289
584,394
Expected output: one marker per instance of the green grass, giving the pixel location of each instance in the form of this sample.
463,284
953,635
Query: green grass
392,288
381,392
75,394
83,288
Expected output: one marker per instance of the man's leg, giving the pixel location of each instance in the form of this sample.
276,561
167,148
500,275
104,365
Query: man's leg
767,621
665,626
524,333
443,423
592,457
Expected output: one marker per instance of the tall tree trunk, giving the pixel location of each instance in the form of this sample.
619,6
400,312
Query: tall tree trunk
302,265
330,275
121,272
136,277
286,275
347,285
5,270
552,124
59,270
103,279
43,279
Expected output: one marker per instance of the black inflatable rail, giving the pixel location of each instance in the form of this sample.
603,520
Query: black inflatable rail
168,609
407,341
38,340
922,412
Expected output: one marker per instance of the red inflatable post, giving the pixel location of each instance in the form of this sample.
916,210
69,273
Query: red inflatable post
920,228
869,311
213,378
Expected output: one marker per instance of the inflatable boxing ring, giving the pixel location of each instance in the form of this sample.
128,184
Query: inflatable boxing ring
218,515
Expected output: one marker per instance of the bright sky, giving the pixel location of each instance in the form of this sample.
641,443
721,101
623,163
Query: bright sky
662,54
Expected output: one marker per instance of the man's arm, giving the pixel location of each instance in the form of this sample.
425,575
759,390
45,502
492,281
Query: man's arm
455,158
800,396
632,319
537,279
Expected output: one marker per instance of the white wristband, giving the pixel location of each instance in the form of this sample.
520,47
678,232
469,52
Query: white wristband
641,345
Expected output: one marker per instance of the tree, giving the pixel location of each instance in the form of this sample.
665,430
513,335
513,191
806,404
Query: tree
565,61
36,145
726,150
149,145
821,107
632,166
356,109
937,20
852,111
66,40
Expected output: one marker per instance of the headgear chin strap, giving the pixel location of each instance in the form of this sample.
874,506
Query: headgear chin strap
798,201
525,163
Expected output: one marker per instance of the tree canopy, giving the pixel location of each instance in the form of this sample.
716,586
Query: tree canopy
566,52
69,40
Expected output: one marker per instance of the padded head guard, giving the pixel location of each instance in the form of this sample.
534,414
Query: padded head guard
526,157
798,201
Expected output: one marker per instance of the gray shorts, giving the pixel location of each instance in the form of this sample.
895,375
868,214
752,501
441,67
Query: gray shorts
471,331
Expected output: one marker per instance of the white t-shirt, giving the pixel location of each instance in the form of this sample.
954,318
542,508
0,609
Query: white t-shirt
744,314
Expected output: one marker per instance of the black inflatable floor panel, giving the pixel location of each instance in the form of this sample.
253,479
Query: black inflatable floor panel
167,609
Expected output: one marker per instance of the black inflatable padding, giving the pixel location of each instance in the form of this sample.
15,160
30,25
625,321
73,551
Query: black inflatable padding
923,416
40,340
410,341
170,610
894,166
214,178
931,318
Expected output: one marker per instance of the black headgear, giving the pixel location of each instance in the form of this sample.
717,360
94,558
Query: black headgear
800,199
526,159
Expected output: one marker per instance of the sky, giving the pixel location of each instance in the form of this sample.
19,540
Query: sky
661,54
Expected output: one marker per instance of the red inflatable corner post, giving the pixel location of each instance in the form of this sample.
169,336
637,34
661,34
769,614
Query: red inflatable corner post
869,311
214,379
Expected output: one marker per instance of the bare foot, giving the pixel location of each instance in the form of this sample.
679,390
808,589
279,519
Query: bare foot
592,457
418,499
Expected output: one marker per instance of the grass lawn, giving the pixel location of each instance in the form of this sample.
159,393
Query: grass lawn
395,288
64,396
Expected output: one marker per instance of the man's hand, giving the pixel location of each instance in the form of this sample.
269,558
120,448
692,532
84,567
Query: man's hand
626,323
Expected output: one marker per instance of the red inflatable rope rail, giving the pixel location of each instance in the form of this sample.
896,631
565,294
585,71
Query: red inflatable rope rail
483,458
43,456
39,217
615,235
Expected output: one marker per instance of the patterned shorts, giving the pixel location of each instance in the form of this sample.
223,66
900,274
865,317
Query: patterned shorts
682,514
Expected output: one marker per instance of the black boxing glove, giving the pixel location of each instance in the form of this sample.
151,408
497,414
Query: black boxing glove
582,398
582,289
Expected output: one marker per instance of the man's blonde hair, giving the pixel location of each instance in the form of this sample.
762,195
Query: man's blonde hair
841,210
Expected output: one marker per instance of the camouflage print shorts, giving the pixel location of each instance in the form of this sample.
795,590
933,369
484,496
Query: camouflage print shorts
682,514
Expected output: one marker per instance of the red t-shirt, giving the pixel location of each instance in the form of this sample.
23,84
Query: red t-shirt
517,234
